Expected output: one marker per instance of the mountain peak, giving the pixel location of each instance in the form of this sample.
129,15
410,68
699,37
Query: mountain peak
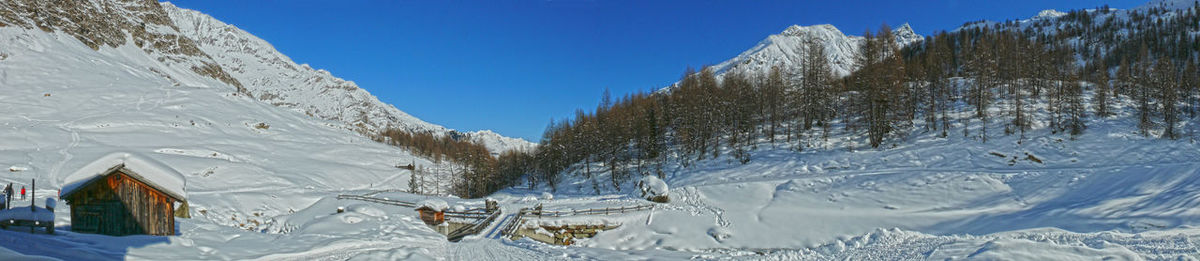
905,35
1049,14
904,28
797,30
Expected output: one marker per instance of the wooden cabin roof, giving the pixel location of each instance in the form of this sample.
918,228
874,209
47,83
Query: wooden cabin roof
120,168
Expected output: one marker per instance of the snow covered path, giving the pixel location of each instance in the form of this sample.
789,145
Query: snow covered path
487,249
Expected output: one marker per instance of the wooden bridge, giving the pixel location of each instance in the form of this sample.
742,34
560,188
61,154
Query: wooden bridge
482,216
474,228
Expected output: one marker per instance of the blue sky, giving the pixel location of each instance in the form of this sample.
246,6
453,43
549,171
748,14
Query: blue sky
511,66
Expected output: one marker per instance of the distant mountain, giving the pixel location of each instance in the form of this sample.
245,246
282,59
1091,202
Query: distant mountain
194,43
788,49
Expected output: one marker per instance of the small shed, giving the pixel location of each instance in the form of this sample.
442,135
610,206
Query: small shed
433,211
123,194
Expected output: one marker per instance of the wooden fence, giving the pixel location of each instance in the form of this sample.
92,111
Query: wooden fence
474,228
514,224
512,227
593,211
378,200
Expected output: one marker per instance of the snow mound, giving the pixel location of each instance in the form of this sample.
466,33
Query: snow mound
147,170
651,186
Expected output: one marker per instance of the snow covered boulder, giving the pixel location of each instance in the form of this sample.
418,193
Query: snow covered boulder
654,189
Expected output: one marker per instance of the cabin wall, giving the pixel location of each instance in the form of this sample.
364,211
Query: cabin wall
121,205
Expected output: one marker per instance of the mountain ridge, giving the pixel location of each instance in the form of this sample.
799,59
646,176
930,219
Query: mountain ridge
187,40
788,49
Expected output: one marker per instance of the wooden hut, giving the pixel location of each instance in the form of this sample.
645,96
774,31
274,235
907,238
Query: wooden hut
433,212
123,201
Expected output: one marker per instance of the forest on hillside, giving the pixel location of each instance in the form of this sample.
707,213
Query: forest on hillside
1075,67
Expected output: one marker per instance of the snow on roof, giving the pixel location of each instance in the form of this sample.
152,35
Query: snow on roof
142,168
435,204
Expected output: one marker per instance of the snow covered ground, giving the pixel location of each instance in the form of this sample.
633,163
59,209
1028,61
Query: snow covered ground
262,182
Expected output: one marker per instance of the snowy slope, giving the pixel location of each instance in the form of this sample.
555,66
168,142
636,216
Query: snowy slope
261,180
274,78
187,40
249,166
1107,193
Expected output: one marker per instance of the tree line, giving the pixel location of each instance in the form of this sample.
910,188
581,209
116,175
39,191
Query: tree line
966,81
995,73
466,167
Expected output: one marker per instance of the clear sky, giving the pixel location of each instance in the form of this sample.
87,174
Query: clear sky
511,66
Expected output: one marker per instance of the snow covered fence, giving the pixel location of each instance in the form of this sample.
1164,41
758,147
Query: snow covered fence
593,211
511,227
474,228
478,213
378,200
475,213
31,216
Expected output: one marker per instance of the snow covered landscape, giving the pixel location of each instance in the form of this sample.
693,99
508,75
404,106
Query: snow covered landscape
276,161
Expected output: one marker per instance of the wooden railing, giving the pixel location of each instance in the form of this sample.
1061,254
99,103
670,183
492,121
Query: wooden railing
474,228
593,211
475,213
378,200
512,226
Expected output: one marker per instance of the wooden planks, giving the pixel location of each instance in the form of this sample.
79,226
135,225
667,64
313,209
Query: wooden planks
121,205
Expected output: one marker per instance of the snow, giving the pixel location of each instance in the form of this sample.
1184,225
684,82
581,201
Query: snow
27,213
652,186
271,194
144,168
789,48
435,204
274,78
1049,14
7,254
1107,193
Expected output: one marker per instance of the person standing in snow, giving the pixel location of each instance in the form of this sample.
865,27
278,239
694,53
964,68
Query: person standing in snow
8,193
22,192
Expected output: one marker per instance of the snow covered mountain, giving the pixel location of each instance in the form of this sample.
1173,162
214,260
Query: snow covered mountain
788,49
79,80
186,40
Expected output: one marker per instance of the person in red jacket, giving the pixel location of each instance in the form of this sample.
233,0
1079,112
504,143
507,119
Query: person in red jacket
22,192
